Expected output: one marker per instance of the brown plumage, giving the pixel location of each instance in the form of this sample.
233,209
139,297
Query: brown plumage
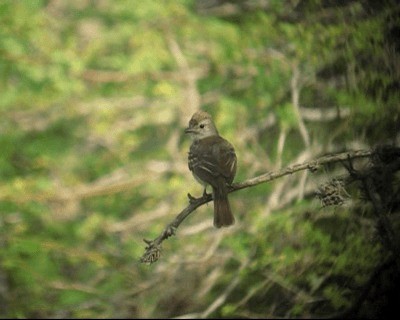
212,160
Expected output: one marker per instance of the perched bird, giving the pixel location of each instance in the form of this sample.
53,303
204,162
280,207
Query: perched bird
212,160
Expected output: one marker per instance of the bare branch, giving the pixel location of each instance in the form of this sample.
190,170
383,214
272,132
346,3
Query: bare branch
310,165
153,249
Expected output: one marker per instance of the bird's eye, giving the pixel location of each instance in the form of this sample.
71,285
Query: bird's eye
201,126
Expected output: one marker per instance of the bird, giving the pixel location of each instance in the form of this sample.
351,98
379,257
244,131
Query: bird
212,161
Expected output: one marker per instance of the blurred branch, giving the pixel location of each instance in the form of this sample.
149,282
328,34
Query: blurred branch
222,298
295,94
192,96
301,185
153,249
280,146
230,8
107,76
287,285
266,284
283,187
324,115
219,301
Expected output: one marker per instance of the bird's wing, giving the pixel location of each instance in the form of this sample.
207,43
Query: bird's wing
215,158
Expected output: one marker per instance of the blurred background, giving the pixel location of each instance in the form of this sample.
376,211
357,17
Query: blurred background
94,98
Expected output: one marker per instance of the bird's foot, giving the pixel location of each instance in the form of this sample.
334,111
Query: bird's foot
204,196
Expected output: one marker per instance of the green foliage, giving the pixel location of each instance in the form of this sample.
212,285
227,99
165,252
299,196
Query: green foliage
94,99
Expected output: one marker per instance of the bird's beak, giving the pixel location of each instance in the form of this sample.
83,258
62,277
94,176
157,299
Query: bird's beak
188,130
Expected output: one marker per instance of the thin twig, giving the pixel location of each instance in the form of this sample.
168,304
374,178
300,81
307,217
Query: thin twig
311,165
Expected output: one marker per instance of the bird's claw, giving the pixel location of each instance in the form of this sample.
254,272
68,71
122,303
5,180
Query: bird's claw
191,198
204,196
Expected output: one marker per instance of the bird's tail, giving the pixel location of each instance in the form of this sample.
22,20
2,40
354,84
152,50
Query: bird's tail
223,216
